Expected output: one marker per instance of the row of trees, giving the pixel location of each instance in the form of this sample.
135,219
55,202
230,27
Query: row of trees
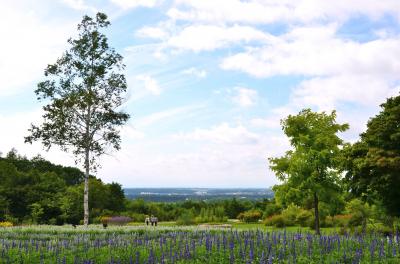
322,167
37,191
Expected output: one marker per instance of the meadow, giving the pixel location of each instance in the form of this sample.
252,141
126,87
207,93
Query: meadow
192,244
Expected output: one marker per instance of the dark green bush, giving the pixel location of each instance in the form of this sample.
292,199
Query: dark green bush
356,219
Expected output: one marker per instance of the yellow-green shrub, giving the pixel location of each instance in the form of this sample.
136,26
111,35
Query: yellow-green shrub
341,220
250,216
275,220
304,218
6,224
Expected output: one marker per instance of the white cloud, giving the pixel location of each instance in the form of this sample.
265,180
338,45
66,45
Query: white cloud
152,32
128,4
273,121
195,72
264,12
150,84
340,71
166,114
220,156
12,136
130,133
317,51
28,44
210,37
325,93
199,38
79,5
265,122
245,97
223,133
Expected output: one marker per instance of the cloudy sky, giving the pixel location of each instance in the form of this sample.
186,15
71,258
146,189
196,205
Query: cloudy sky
208,80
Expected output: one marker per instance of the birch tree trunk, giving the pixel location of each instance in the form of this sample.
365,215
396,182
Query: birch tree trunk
86,192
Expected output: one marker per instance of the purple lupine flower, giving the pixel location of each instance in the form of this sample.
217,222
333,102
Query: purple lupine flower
381,250
372,250
231,258
137,261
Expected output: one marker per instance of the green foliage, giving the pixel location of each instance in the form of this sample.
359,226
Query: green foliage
211,214
203,211
186,218
139,218
291,213
372,165
84,90
70,175
234,207
36,212
251,216
360,213
275,220
304,218
309,169
32,195
272,208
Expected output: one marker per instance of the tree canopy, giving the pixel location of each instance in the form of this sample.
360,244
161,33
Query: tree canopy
372,164
309,169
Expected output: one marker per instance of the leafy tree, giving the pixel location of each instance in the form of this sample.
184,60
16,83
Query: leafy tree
71,205
372,164
360,211
234,207
84,89
36,212
116,200
311,165
70,175
286,194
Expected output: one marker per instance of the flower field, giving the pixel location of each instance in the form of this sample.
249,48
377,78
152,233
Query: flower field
190,245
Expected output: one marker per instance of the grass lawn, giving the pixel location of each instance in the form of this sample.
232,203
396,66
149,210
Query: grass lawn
245,226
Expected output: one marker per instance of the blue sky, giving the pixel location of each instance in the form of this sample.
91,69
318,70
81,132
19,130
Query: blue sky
208,80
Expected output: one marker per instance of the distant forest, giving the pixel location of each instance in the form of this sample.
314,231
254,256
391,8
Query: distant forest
208,194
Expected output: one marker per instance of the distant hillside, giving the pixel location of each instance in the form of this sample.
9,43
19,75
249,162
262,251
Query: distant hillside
182,194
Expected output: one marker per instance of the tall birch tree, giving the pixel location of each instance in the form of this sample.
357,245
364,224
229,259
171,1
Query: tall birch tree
84,92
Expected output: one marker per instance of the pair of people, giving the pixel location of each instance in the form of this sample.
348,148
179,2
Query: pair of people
151,220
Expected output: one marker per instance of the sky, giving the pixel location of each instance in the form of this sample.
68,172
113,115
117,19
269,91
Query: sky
208,81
